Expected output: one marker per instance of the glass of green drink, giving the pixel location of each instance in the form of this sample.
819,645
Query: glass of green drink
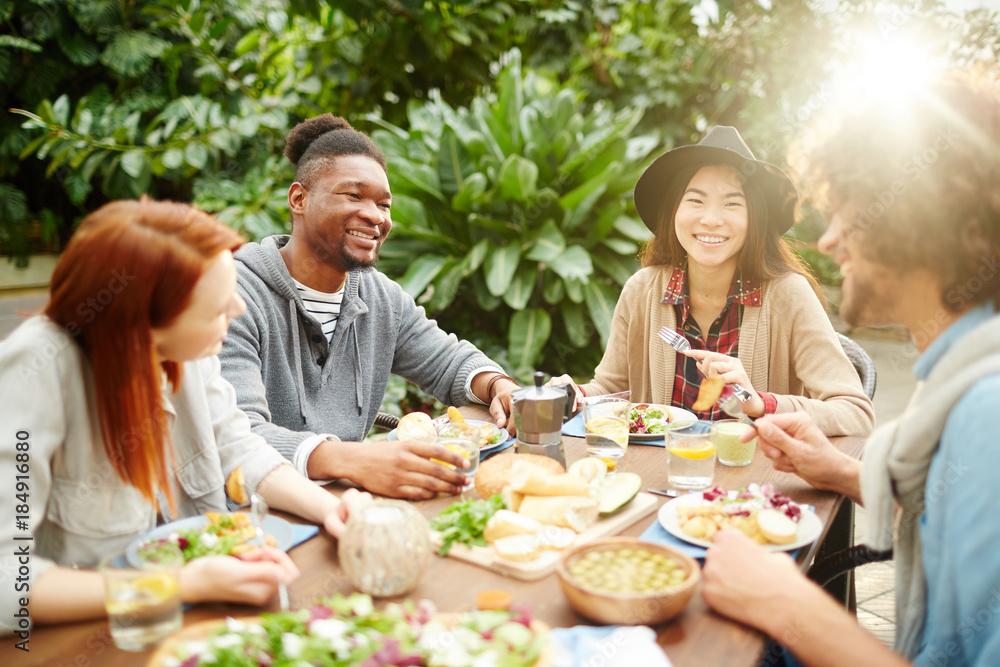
725,435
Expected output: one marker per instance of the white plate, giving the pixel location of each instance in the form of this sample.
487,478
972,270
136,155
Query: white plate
505,436
810,526
282,531
678,416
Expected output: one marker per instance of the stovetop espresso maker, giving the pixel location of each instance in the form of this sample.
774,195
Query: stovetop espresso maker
539,413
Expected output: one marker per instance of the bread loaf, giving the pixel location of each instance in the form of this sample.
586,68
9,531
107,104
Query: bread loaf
494,473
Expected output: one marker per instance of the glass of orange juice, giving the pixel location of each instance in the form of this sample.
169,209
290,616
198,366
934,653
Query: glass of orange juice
605,419
690,459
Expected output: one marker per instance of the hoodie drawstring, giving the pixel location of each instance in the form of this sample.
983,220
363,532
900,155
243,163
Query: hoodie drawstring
297,366
357,366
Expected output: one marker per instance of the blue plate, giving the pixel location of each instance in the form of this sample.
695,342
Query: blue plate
505,439
281,530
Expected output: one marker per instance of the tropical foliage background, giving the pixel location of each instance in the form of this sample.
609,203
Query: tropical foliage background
515,130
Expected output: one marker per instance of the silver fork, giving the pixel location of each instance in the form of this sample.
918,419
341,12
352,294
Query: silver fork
681,344
258,510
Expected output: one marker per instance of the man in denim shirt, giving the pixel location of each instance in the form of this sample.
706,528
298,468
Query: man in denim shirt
915,227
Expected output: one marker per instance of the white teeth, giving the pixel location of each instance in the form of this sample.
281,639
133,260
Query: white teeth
710,239
364,236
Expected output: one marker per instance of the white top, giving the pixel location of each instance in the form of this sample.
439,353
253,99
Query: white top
323,306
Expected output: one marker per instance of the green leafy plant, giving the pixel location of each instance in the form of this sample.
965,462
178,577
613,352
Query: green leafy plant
465,521
514,224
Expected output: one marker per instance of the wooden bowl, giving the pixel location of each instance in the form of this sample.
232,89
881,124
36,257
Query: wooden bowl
612,608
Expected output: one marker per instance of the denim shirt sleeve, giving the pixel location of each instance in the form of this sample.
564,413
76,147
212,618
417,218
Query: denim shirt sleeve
960,532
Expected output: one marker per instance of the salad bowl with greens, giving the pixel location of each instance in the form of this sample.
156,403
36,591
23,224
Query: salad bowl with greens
650,421
349,630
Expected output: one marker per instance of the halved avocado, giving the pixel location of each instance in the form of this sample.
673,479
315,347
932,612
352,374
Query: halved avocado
591,469
618,492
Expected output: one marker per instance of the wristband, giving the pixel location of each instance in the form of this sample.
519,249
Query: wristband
493,381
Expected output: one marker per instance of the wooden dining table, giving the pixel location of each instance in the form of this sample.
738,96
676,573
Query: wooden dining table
697,637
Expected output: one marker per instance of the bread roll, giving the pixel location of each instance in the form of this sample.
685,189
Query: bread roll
576,512
494,473
416,426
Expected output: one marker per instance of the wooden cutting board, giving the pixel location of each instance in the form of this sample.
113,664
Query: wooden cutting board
642,505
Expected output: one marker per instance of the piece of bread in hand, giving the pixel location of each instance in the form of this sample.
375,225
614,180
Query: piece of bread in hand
236,487
416,426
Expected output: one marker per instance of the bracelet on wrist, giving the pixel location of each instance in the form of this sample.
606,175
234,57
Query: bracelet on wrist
493,381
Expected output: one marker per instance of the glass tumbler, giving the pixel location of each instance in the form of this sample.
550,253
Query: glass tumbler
690,459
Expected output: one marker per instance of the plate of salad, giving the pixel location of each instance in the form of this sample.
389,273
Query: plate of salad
213,534
649,421
491,436
348,630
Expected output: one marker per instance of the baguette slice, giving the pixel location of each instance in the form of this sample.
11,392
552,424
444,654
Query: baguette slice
505,523
236,487
776,526
521,548
576,512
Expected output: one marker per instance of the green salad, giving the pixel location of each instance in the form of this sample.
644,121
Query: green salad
348,630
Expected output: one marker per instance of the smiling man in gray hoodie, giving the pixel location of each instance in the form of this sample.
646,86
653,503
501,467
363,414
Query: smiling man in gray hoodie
323,330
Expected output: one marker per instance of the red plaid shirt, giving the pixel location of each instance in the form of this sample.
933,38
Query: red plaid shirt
723,336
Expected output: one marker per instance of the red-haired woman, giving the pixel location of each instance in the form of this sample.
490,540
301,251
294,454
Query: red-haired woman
718,272
113,407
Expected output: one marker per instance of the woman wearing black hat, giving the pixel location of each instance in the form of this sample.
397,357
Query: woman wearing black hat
719,273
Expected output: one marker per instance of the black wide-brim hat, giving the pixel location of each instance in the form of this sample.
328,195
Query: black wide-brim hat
722,145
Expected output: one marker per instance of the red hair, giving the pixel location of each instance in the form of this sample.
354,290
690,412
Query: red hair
131,267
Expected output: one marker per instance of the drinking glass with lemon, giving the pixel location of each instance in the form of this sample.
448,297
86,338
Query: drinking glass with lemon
461,439
143,598
690,459
605,420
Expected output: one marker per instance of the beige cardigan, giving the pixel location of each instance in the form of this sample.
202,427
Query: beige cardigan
787,345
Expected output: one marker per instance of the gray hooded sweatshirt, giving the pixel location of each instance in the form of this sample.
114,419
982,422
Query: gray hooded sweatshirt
293,385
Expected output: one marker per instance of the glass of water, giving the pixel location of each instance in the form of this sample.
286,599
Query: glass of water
690,459
605,420
142,595
461,439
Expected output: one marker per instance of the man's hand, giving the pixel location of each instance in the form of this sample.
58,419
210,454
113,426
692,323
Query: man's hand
500,406
403,469
730,369
252,578
744,581
795,444
351,502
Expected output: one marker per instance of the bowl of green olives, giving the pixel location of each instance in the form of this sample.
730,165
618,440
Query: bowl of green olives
624,581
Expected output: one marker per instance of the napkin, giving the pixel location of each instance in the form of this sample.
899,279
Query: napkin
302,532
610,646
575,428
503,447
657,534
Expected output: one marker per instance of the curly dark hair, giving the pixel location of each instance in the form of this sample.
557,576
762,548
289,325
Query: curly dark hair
314,143
924,177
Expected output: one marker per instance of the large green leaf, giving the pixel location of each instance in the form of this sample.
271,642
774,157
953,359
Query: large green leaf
553,289
548,244
473,186
578,329
574,289
453,163
409,212
416,178
446,285
601,300
499,268
476,255
484,299
518,178
579,194
578,214
521,287
421,272
529,331
621,246
619,267
573,263
632,228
